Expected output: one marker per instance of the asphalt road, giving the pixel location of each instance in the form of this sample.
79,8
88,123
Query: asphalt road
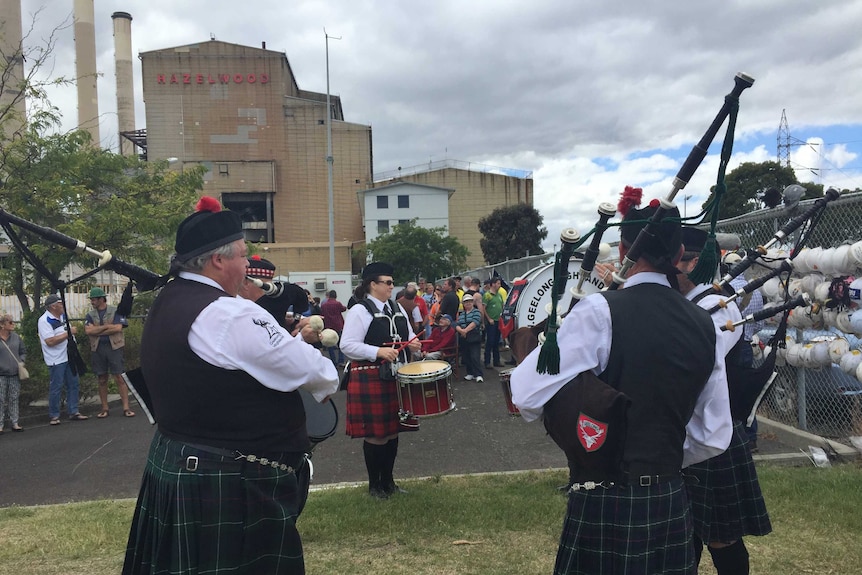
104,458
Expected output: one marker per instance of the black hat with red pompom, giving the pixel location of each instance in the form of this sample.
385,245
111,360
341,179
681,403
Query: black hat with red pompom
260,268
666,239
208,228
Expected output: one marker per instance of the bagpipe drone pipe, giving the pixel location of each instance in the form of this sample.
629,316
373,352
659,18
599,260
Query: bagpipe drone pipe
748,384
549,355
145,279
278,299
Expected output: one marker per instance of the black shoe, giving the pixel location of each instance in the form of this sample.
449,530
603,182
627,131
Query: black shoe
377,493
487,366
393,488
498,364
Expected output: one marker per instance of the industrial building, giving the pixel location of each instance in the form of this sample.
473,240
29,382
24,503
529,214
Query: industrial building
239,112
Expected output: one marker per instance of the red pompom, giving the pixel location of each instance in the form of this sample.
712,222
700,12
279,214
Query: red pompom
654,203
255,257
630,198
208,204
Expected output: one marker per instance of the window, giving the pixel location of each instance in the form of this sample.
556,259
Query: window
255,210
382,202
382,226
403,222
403,201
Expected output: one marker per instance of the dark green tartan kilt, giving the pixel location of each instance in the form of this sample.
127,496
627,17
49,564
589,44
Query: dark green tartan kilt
228,516
726,500
625,530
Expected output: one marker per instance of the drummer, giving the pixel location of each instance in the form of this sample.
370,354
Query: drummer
372,391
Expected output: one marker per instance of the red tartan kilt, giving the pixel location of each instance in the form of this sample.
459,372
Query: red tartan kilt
372,405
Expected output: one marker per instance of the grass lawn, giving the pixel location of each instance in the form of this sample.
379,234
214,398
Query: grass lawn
496,524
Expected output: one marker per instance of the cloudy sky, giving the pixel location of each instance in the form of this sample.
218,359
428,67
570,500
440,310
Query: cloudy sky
588,96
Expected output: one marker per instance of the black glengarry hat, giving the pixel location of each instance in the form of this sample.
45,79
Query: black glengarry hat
666,238
376,269
208,228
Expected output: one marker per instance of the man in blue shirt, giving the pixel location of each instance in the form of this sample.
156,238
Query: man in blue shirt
54,339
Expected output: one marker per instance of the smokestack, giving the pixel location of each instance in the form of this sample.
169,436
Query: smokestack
10,45
85,68
125,80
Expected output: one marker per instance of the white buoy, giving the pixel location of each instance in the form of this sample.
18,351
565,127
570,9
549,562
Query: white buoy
850,361
837,348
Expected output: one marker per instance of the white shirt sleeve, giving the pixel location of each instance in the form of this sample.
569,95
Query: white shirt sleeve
709,430
585,343
356,325
237,334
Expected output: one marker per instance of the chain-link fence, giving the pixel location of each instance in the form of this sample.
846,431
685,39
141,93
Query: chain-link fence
826,400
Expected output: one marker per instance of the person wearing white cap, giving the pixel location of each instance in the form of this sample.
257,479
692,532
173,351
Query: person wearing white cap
54,339
470,339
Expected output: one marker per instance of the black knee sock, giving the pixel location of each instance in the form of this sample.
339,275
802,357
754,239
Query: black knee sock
373,463
730,560
388,463
698,549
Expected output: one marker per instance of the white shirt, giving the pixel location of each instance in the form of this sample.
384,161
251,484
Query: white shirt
237,334
356,325
56,354
587,331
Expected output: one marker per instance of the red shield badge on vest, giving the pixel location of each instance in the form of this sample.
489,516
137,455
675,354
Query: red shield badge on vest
591,433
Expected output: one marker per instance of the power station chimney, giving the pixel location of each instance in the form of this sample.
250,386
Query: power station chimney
125,80
85,68
12,50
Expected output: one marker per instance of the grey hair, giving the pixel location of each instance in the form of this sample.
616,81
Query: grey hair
4,317
197,263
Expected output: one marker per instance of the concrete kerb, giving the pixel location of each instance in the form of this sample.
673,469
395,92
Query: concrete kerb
801,440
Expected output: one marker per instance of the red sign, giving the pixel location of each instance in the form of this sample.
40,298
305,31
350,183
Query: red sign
189,78
591,433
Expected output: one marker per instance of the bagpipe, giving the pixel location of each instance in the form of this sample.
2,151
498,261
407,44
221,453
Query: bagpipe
278,299
282,299
747,384
145,279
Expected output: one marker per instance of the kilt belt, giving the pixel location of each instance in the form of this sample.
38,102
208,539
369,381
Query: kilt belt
635,476
285,462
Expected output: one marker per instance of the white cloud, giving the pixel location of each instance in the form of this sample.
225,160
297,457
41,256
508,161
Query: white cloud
589,96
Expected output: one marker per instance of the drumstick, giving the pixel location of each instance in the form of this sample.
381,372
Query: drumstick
402,344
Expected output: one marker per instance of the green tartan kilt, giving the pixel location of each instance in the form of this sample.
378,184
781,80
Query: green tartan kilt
226,517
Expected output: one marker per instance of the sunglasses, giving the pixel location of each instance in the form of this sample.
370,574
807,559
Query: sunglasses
387,282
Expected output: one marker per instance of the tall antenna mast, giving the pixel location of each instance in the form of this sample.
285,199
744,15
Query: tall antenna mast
329,159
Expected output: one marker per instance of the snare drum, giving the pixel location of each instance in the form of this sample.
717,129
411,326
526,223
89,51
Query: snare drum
505,381
321,419
424,388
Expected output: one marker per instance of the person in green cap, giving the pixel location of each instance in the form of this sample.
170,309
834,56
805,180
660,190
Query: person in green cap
104,326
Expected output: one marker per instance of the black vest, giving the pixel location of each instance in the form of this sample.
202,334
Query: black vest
662,354
380,330
199,403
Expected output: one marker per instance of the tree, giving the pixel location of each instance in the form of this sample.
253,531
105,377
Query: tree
511,232
113,202
64,182
415,251
751,183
